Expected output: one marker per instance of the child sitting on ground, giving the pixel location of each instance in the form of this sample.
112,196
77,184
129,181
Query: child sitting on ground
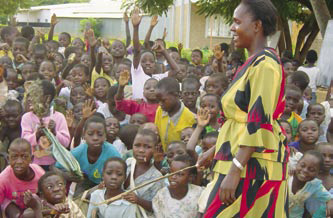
114,176
180,198
316,112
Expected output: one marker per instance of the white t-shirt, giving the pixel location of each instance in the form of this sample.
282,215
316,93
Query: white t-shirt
104,109
313,73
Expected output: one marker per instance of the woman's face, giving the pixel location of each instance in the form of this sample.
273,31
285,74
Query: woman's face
243,27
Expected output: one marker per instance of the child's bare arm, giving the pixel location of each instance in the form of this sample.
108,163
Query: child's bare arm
158,47
54,22
134,199
202,120
165,33
92,43
136,19
128,33
153,23
101,51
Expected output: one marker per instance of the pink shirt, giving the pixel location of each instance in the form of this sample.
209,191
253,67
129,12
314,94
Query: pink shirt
42,153
131,107
12,188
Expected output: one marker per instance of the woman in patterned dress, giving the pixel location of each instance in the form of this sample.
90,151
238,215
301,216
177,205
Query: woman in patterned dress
250,159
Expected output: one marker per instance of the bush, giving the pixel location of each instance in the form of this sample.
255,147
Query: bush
95,24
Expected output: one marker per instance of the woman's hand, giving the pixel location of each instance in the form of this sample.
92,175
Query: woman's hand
228,187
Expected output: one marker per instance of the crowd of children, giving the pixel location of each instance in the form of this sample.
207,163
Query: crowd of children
131,115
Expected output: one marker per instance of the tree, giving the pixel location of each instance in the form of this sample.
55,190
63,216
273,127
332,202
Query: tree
322,14
150,7
55,2
9,7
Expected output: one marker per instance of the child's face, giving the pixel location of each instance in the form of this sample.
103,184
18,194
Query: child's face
288,131
196,58
327,152
143,148
317,113
39,57
182,72
210,103
179,180
199,72
307,168
292,99
309,132
6,62
213,87
78,76
101,87
78,43
148,63
13,116
107,63
28,71
117,49
11,79
95,135
191,70
185,134
19,48
168,101
77,111
189,95
51,47
121,68
307,94
114,175
288,69
112,127
47,70
58,62
78,95
175,56
207,143
174,150
149,90
64,40
86,60
138,119
54,189
19,159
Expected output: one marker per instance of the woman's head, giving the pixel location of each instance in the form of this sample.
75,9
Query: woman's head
252,19
143,146
308,131
316,112
309,165
94,132
148,62
52,187
114,173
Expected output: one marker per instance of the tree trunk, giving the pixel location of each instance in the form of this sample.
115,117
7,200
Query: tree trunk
308,43
305,30
286,33
322,14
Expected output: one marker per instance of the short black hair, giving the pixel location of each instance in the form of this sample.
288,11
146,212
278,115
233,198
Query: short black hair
218,99
287,54
69,50
173,49
198,50
84,67
311,56
168,84
13,103
127,134
316,154
66,34
48,88
285,60
112,92
299,78
22,40
21,141
31,64
293,88
214,134
221,78
39,47
312,105
116,159
53,42
189,81
107,81
28,32
187,159
265,11
184,61
6,31
94,119
148,132
304,121
53,65
225,47
44,177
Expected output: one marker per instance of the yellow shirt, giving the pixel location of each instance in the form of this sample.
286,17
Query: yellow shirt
95,75
168,130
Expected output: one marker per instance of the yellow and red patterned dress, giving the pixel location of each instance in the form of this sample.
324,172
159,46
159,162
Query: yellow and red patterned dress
252,105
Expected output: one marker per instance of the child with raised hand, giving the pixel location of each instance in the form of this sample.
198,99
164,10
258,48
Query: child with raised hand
101,87
190,93
20,176
43,116
180,198
114,176
148,108
303,185
92,154
171,116
141,169
144,62
316,112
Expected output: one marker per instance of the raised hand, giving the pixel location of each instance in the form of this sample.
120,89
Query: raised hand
52,126
90,36
124,77
165,33
154,21
71,58
158,46
125,17
136,18
203,117
88,90
54,20
88,109
180,47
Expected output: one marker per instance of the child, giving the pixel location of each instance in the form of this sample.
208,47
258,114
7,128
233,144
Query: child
312,71
29,71
190,93
304,185
171,116
216,84
114,176
127,135
196,57
138,119
327,151
307,94
183,65
293,96
39,54
48,71
141,170
180,198
19,50
112,132
148,108
212,104
18,178
77,95
52,189
308,132
316,112
185,134
117,51
287,66
92,154
287,130
101,87
64,41
209,140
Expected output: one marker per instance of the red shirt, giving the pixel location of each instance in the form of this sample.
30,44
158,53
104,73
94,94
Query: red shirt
131,107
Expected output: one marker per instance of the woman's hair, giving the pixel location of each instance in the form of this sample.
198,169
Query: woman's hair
94,119
265,11
44,177
316,154
116,159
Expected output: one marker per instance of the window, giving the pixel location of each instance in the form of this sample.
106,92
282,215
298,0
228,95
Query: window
216,27
38,20
46,20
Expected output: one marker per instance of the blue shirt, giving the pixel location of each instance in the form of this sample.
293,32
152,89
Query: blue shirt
93,171
295,145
